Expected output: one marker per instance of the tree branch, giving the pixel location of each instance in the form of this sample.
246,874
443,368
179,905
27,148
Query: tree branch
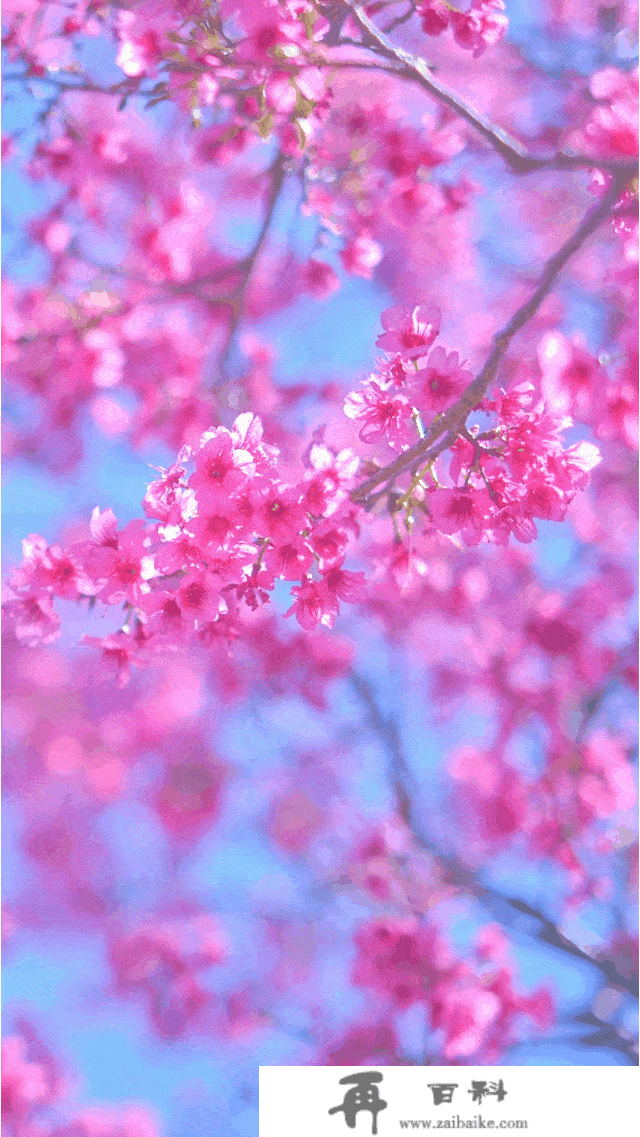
237,298
606,1034
451,421
400,19
516,155
505,908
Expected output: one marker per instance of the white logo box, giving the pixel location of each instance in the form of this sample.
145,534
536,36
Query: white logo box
541,1101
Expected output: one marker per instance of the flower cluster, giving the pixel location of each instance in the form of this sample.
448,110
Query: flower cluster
472,1004
480,27
267,79
31,1080
412,382
224,534
372,180
161,964
580,787
612,126
33,1093
499,480
574,382
528,654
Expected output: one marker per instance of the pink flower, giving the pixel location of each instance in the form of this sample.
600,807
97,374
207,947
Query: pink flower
104,527
280,514
118,651
462,457
576,465
163,614
440,382
34,619
607,784
247,433
613,125
160,963
541,1008
329,541
189,798
255,589
395,372
466,1016
221,470
463,511
345,585
320,280
228,566
120,568
164,497
381,413
434,15
48,567
216,528
572,379
334,476
176,553
290,561
512,519
481,27
25,1085
531,441
361,256
198,597
510,406
410,201
390,959
313,605
409,333
280,93
98,1121
556,635
545,501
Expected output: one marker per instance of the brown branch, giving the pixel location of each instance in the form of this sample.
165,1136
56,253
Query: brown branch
413,68
508,909
451,421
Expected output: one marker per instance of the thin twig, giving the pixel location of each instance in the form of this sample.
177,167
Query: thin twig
453,419
505,908
517,156
237,299
130,87
400,19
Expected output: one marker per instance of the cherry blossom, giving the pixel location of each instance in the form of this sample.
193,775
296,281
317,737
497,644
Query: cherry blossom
482,26
409,333
321,430
381,412
439,382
